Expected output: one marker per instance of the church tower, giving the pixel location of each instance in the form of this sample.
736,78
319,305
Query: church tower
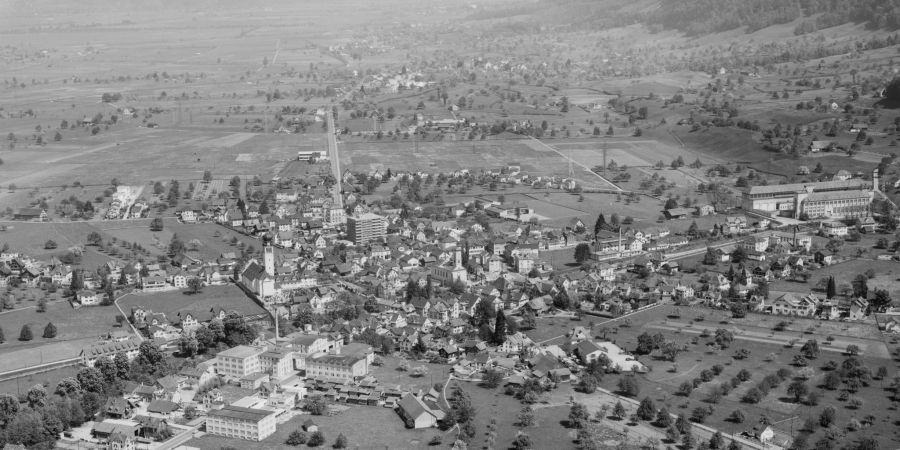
269,258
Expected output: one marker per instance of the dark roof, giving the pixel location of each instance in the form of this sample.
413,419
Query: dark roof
162,406
241,413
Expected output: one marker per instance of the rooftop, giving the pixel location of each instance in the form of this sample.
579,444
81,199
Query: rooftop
241,413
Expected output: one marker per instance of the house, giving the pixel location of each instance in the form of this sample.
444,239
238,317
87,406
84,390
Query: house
588,351
88,298
678,213
416,414
706,210
788,304
858,308
819,146
31,214
117,408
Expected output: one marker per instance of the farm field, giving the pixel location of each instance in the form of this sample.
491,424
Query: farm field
366,427
886,275
447,156
765,358
75,329
228,297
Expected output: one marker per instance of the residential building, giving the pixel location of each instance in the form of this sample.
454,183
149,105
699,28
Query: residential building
365,228
416,414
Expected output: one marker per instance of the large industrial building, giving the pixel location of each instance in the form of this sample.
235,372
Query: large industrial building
241,423
366,228
838,199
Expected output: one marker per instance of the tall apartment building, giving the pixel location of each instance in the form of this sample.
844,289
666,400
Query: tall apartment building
241,423
366,228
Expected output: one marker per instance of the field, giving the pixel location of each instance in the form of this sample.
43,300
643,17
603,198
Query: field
205,240
407,155
228,297
767,355
75,329
388,375
886,275
366,427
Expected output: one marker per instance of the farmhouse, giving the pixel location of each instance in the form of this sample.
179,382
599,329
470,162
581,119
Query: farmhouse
32,214
416,414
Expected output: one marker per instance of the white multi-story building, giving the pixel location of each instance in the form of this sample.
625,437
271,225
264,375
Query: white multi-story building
238,362
337,367
241,423
834,199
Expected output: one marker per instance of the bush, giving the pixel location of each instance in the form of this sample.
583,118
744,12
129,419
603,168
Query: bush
296,438
316,439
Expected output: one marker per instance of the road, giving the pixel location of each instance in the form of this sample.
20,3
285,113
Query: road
336,197
122,312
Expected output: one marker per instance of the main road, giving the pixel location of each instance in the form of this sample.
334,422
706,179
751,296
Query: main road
336,197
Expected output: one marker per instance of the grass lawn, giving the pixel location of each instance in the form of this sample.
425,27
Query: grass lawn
75,328
50,379
210,240
366,427
228,297
388,375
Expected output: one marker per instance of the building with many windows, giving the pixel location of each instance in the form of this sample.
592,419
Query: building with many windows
365,228
241,423
238,362
828,199
337,367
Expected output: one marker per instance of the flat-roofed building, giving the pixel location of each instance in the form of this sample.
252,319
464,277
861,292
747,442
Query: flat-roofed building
365,228
831,199
241,423
238,362
337,367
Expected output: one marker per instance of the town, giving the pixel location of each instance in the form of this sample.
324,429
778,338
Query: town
363,243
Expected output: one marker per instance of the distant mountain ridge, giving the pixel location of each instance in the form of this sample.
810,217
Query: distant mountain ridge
700,17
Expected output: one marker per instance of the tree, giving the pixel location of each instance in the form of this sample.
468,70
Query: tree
826,418
25,334
156,224
600,224
830,288
341,441
9,407
296,438
852,350
710,258
810,349
525,417
94,238
50,331
582,252
861,286
499,336
50,244
798,389
529,320
619,411
717,441
36,396
628,386
578,415
91,379
2,337
316,405
491,378
42,305
737,416
647,409
316,439
663,418
194,285
723,337
522,442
